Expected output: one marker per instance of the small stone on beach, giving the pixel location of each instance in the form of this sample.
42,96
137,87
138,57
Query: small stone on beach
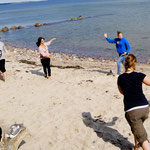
88,99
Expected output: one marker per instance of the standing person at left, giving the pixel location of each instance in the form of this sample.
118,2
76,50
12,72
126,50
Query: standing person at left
3,53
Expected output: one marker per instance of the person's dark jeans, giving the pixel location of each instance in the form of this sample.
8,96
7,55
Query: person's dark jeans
46,66
2,66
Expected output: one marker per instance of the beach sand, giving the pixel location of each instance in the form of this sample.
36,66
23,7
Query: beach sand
59,113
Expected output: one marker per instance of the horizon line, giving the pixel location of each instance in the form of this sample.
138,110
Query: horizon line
20,1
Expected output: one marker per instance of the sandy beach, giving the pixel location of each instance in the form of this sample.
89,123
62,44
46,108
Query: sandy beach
59,114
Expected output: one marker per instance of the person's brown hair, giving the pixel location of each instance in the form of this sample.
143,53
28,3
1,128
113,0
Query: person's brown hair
130,61
119,32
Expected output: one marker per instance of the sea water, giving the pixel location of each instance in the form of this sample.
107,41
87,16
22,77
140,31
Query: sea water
84,37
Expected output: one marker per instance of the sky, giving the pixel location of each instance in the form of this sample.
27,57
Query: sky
12,1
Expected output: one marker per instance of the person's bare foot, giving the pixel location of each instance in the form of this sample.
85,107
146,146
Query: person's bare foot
4,76
48,77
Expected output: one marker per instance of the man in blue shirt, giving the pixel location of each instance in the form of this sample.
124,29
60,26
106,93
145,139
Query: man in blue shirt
122,46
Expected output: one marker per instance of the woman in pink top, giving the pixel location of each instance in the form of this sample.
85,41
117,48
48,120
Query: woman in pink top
45,55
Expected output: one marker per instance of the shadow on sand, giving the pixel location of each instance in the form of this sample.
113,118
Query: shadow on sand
21,144
108,134
37,72
105,72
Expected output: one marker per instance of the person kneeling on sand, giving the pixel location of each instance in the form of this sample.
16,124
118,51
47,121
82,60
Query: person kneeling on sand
45,55
136,105
3,51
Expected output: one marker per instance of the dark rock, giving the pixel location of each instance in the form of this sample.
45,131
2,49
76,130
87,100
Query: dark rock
18,70
116,96
88,99
129,134
89,80
110,73
19,27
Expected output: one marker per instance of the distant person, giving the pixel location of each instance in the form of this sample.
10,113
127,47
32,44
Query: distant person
3,52
136,105
122,46
45,55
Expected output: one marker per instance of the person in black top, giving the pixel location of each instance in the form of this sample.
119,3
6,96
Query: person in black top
136,105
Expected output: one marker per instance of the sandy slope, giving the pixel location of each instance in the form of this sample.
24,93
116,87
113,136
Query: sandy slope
59,113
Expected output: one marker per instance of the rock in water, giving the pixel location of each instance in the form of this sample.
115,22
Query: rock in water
4,29
73,19
37,25
19,27
13,28
46,23
80,18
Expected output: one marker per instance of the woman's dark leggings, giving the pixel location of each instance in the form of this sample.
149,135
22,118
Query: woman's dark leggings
0,133
46,66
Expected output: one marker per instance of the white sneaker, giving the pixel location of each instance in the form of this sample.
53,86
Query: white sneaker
14,130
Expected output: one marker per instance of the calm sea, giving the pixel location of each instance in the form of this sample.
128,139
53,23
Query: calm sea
83,37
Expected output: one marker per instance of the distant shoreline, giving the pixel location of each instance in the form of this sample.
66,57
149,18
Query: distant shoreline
23,1
66,55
